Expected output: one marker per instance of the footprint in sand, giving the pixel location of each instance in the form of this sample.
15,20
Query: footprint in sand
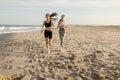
99,53
10,67
38,77
18,76
97,76
29,71
72,57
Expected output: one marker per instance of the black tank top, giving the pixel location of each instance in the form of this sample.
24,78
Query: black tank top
47,24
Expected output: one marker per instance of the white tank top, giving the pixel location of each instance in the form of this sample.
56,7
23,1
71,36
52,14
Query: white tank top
62,23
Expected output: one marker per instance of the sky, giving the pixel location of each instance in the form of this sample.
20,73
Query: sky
81,12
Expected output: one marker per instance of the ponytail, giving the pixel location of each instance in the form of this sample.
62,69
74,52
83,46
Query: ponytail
53,15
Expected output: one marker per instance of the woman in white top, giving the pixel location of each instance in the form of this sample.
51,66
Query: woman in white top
61,26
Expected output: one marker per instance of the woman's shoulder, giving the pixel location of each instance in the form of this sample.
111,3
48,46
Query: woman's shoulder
44,21
51,21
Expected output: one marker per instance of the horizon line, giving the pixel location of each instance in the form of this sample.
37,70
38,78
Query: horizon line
67,24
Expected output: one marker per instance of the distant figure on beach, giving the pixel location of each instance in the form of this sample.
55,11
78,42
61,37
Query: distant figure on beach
61,26
49,25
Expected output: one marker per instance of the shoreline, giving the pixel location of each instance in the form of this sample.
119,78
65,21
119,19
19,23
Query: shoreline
7,31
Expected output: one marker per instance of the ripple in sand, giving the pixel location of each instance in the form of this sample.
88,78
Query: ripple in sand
97,76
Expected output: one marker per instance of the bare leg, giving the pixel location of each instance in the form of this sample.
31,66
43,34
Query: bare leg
47,43
50,42
61,39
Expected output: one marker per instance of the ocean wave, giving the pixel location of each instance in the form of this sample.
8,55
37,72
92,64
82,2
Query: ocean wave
12,29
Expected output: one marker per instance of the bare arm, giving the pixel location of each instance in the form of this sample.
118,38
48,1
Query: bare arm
58,24
66,26
42,27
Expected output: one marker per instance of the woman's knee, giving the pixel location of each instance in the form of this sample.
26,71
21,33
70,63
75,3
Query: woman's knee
46,41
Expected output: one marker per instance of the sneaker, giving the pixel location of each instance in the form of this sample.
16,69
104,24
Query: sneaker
48,51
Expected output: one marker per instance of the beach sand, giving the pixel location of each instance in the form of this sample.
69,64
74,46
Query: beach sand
89,53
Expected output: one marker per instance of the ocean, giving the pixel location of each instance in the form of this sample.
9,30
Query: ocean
18,28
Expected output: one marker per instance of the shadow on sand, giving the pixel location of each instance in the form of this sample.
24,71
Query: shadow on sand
55,50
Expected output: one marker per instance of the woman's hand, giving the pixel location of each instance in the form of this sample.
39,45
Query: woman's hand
57,28
42,31
65,26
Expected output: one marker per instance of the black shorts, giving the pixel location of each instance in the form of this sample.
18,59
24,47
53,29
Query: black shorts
48,34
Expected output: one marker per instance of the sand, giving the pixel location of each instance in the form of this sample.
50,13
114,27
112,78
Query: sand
89,53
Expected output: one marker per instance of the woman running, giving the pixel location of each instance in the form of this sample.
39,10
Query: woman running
48,23
61,26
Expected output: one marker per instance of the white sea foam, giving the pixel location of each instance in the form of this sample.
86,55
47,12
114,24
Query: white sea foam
12,29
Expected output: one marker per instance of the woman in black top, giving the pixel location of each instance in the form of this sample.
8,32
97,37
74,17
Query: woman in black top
48,30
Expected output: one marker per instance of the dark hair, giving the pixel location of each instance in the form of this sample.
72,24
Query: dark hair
53,15
63,15
47,14
60,20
